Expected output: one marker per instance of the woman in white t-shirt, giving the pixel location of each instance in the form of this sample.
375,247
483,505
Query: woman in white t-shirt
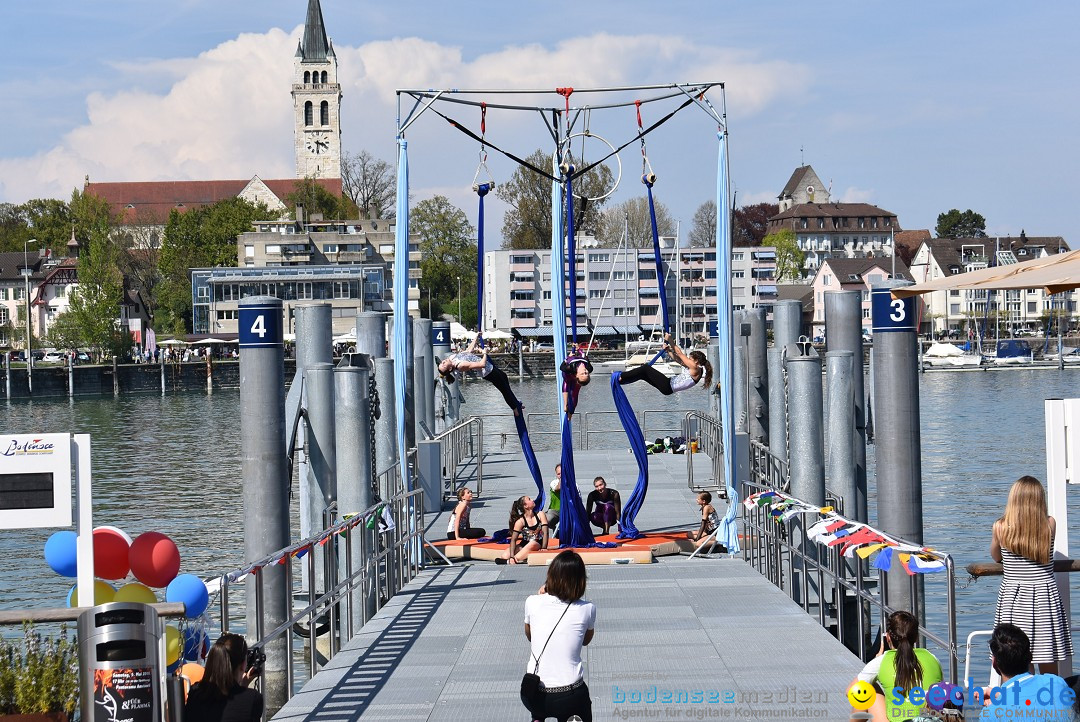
558,623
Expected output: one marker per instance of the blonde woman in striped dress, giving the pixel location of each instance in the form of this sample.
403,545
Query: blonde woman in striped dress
1023,541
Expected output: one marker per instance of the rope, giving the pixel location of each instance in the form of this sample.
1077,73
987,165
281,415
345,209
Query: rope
570,249
530,456
482,190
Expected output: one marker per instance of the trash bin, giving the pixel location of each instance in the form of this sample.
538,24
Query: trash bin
119,668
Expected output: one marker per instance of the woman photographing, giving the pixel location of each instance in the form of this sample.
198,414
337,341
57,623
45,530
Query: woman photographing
223,694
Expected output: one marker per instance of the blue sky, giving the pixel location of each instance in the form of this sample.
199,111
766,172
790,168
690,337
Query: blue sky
916,107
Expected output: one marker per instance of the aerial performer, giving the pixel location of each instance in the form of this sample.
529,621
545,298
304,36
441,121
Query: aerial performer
576,372
468,360
697,366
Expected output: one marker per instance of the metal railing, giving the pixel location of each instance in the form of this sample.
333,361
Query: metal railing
535,431
706,430
461,444
822,581
770,471
353,589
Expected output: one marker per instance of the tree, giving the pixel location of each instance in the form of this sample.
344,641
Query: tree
370,183
447,250
752,223
955,224
139,243
789,259
634,214
94,304
317,200
527,225
703,225
200,238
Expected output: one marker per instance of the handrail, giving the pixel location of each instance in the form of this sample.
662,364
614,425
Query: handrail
710,441
459,443
770,549
71,614
354,589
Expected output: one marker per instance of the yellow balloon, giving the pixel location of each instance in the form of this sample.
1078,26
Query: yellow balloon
103,593
135,592
173,643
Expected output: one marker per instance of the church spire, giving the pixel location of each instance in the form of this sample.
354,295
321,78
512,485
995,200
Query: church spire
315,46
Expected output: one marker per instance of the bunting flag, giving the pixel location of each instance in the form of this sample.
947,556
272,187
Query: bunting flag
849,537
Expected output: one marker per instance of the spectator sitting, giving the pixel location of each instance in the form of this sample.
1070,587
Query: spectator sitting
900,665
1021,694
554,501
608,505
528,531
459,527
710,520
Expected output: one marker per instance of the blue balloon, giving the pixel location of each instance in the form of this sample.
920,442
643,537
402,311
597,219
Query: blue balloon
61,553
196,642
190,590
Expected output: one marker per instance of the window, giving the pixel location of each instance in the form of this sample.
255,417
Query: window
1031,306
307,77
954,309
3,294
738,274
4,316
647,274
521,277
303,291
386,249
710,257
599,275
710,274
249,251
272,248
324,113
330,248
619,311
599,258
866,313
232,315
342,290
323,76
598,293
521,259
547,295
826,280
521,295
309,116
546,276
203,293
649,310
954,292
737,256
621,276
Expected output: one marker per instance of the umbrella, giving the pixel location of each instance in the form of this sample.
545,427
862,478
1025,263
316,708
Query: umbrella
172,342
209,341
497,335
345,338
459,331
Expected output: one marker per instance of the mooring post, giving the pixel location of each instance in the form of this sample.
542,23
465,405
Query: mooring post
264,474
440,349
314,345
713,354
841,465
352,430
71,375
321,443
739,372
7,376
386,451
896,427
758,369
423,379
806,462
209,374
844,332
787,323
115,376
412,409
371,333
777,404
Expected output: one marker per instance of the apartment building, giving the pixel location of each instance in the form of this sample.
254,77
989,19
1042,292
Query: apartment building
618,292
954,312
852,274
349,264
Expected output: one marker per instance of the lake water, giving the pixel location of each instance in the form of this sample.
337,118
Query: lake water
172,465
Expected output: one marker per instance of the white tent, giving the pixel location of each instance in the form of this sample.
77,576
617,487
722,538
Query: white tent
497,335
1054,273
459,331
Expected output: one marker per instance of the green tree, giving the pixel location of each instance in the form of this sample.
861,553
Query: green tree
447,251
94,305
633,215
789,258
200,238
317,200
954,224
527,224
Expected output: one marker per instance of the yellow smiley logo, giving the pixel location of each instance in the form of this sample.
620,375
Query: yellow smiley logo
861,695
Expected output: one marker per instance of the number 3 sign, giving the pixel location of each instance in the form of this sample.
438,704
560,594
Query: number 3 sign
260,326
891,314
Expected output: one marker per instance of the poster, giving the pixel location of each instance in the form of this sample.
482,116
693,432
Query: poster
124,695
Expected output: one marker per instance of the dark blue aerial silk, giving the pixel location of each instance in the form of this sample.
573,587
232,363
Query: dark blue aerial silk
519,416
627,529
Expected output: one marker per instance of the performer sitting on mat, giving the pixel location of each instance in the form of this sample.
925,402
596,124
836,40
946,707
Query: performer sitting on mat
608,505
457,363
528,531
459,527
576,371
696,366
710,520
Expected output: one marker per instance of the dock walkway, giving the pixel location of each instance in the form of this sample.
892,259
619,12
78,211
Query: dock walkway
711,633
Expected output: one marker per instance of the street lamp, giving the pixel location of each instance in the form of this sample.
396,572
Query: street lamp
29,351
459,299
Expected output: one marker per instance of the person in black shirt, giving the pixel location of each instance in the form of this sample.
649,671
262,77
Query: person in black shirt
223,694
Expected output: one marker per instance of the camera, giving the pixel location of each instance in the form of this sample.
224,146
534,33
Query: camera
256,658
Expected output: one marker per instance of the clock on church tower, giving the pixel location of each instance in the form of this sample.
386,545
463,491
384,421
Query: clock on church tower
316,101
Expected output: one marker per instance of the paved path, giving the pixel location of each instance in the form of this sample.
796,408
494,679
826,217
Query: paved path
451,646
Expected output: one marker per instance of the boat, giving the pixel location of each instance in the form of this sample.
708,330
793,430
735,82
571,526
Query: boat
947,355
668,368
1013,351
646,344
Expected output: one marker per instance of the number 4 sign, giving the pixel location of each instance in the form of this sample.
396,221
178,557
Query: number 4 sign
892,314
260,326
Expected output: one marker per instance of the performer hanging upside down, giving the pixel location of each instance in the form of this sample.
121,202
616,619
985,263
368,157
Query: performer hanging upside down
576,372
696,366
457,363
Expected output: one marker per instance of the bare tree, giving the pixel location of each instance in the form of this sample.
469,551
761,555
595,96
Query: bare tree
703,226
371,183
634,213
139,246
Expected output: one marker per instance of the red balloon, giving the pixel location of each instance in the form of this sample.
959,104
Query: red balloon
110,553
155,560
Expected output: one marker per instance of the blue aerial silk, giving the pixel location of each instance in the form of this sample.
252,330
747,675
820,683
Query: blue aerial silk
481,190
659,259
723,324
574,529
627,529
402,347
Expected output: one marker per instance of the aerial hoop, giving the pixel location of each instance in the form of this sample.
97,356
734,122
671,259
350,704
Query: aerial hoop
569,165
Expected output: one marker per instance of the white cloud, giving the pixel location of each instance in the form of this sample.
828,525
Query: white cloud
227,113
857,195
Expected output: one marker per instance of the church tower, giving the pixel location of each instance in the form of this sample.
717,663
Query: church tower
316,101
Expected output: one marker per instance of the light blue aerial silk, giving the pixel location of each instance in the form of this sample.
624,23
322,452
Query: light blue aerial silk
728,533
402,347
